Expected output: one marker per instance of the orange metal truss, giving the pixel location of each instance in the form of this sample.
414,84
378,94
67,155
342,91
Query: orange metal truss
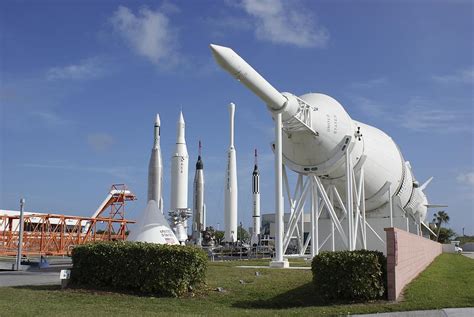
51,234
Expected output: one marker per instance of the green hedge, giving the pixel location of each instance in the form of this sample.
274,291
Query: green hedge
163,270
350,275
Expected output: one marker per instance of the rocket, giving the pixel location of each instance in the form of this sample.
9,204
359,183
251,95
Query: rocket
322,139
179,181
152,225
256,203
155,169
230,199
198,201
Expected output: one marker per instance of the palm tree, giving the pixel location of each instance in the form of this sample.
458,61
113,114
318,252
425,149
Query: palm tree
439,218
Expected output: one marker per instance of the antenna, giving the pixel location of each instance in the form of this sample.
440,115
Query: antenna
256,158
199,148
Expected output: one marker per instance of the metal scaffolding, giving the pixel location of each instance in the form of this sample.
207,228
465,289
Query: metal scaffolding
53,234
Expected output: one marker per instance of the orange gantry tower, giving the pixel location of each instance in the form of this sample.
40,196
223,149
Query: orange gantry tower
53,234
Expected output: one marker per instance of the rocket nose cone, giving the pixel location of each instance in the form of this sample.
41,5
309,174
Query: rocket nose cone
222,55
157,120
181,118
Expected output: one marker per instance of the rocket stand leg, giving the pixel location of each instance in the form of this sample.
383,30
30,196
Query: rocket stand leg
278,261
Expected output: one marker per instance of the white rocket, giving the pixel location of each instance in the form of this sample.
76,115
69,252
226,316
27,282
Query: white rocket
179,183
152,225
198,201
155,169
256,203
230,201
319,134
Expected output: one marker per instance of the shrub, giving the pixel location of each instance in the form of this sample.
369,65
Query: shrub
350,275
164,270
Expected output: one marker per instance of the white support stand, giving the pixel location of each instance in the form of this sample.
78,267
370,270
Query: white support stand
278,261
348,220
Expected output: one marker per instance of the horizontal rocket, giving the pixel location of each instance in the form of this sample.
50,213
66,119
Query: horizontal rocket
230,198
319,133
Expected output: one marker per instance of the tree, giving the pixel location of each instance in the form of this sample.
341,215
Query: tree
445,235
242,234
439,218
219,236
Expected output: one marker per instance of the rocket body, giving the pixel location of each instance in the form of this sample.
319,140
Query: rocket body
152,225
198,202
256,205
155,169
318,132
230,199
179,178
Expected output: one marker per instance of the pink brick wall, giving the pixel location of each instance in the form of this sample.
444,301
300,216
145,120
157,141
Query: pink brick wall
407,256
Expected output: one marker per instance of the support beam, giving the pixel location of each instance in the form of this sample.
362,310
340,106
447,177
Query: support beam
278,261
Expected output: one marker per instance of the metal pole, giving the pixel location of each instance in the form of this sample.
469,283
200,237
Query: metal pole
333,240
20,235
316,219
391,206
312,215
350,213
278,192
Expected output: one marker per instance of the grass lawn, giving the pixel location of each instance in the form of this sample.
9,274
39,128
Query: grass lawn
448,282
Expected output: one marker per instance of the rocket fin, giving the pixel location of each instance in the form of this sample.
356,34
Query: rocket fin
435,206
425,184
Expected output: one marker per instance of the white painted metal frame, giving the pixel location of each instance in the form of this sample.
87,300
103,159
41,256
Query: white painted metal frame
348,219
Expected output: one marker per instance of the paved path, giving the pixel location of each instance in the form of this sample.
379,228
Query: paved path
447,312
469,255
20,278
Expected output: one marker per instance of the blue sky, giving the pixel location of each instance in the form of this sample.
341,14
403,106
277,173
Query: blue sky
81,82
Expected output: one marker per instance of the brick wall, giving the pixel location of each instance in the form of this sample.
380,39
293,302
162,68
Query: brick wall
407,256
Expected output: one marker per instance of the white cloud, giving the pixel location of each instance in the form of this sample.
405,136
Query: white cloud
148,33
424,115
466,178
371,83
49,117
283,22
465,76
100,142
419,114
124,172
86,69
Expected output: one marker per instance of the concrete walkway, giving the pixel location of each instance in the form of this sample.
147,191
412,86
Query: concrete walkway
22,278
469,255
447,312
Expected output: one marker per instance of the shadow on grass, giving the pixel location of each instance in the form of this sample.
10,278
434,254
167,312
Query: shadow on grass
302,296
39,287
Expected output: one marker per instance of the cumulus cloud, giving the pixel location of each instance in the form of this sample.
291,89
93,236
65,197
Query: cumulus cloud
465,76
283,22
148,33
86,69
466,178
100,142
